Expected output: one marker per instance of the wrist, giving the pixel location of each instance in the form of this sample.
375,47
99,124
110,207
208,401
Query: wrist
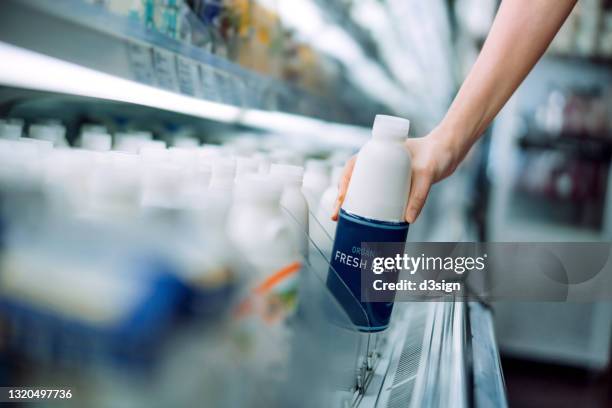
449,144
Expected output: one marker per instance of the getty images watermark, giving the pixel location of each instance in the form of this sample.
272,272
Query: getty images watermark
580,272
413,264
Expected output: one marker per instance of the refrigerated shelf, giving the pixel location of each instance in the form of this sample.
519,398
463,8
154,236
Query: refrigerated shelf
145,67
440,354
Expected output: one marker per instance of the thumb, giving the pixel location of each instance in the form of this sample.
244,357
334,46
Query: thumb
343,186
419,190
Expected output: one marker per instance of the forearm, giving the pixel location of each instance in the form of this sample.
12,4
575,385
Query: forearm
520,34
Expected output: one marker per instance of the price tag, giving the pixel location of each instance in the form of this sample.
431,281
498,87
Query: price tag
209,83
165,69
187,70
235,90
141,63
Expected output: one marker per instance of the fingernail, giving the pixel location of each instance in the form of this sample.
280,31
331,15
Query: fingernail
336,210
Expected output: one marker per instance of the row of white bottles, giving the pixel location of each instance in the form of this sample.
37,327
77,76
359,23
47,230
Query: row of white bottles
188,169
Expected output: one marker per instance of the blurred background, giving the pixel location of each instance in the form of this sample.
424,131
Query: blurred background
127,125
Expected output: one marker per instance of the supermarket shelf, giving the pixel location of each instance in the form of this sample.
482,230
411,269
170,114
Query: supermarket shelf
487,378
21,69
124,49
442,354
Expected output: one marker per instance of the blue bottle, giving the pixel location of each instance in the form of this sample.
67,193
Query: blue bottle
372,212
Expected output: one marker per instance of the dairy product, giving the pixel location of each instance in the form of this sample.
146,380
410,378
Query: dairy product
185,142
161,186
316,180
293,202
245,166
96,140
373,211
324,231
132,142
258,228
263,161
223,172
10,130
53,133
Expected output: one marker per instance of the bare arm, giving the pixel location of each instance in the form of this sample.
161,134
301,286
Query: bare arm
521,33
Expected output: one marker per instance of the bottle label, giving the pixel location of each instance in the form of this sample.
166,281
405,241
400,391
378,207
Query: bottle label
274,299
347,266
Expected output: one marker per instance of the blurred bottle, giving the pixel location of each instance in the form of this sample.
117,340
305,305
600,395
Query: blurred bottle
52,132
10,130
293,202
324,232
259,229
316,181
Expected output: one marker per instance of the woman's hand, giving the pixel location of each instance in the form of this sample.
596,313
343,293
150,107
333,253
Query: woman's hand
433,159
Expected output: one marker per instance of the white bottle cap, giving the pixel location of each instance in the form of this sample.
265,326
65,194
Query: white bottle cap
10,130
128,143
92,127
185,142
141,134
154,144
94,140
43,132
390,128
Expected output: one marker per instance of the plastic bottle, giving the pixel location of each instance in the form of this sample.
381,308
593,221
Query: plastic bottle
115,190
185,141
195,172
316,180
10,130
373,211
258,228
246,166
323,232
223,172
96,140
293,202
53,133
263,161
161,186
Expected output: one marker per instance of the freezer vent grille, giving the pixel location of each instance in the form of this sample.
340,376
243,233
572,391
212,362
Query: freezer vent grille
408,365
400,397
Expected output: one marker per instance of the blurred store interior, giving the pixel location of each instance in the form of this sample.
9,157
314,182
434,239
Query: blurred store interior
94,94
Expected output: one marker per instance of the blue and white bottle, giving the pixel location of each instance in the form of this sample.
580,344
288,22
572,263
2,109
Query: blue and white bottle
373,211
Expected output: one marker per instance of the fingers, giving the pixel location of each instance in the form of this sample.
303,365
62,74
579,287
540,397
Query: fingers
343,186
421,183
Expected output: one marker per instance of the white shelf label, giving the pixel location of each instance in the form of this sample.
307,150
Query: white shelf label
165,69
187,70
209,83
141,63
